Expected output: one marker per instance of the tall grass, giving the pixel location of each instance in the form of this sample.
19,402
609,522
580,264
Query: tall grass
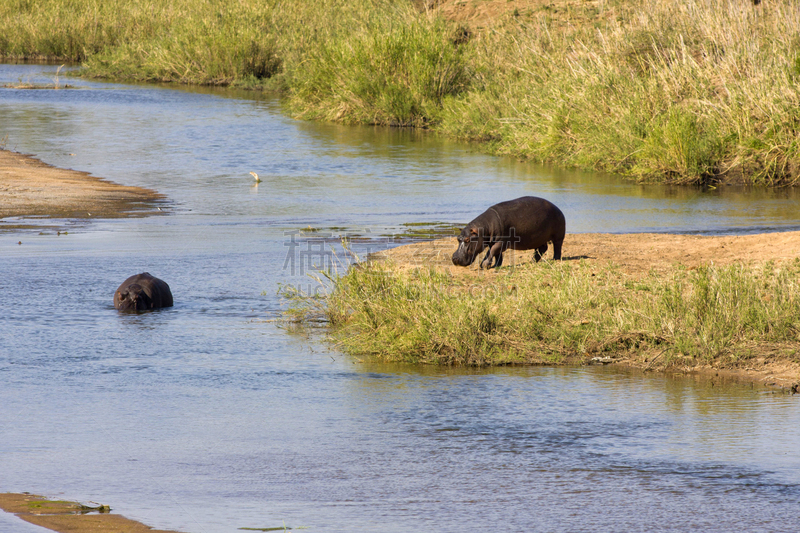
397,71
221,42
679,91
683,92
553,312
67,30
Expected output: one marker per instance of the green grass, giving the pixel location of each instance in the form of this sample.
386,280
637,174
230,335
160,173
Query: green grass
396,72
561,312
687,92
213,42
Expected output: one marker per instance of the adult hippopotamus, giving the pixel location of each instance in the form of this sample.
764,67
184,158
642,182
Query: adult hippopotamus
142,292
526,223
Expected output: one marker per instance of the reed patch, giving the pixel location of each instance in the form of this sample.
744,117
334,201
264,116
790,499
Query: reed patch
557,312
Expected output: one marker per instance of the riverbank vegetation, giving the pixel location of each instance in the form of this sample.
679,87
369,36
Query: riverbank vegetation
688,92
563,312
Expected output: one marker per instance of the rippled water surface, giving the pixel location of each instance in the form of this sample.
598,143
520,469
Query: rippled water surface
208,417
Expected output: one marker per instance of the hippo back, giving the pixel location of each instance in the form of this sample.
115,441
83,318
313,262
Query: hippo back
532,221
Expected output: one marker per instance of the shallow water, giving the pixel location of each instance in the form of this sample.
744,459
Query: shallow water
207,417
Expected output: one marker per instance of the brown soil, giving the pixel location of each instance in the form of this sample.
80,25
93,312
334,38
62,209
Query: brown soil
70,517
29,187
636,254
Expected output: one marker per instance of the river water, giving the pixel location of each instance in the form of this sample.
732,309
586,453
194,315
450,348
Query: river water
208,417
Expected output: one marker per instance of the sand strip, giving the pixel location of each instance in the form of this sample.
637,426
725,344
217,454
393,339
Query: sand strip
635,253
70,517
29,187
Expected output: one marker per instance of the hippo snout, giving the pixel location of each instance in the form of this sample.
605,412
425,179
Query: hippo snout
462,257
131,302
460,260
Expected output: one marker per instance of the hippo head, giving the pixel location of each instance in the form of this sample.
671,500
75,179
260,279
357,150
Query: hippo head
132,298
470,244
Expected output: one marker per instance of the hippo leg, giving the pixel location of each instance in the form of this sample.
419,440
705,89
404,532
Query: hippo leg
495,250
499,259
557,248
539,253
487,259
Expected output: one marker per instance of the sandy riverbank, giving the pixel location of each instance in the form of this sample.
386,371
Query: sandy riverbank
70,517
31,188
636,253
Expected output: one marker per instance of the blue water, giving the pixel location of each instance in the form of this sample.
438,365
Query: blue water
208,416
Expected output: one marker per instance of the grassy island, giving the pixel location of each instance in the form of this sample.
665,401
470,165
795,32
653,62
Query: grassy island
645,309
702,91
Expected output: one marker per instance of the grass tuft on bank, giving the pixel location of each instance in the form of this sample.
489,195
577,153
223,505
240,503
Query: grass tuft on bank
690,92
556,312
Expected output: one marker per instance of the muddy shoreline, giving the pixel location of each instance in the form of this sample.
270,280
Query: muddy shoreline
70,517
32,188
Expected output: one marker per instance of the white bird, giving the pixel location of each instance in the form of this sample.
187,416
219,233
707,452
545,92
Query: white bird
258,180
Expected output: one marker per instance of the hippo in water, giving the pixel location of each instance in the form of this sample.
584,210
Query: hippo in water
526,223
141,293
